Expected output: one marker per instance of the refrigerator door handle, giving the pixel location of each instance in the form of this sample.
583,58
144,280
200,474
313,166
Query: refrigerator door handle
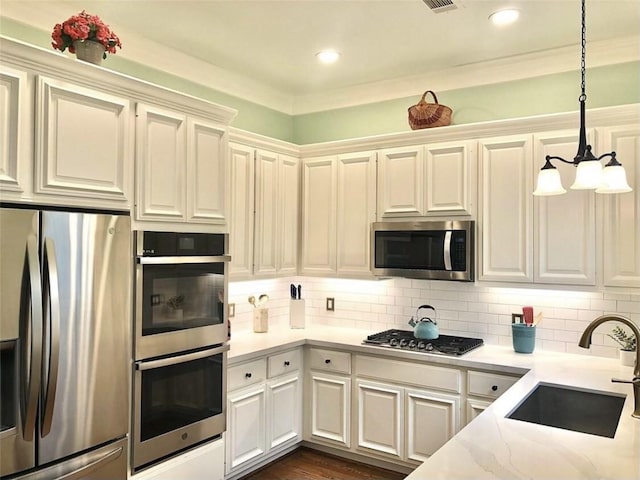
82,472
52,330
31,335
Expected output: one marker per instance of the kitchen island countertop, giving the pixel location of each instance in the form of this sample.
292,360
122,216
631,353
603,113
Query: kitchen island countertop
492,446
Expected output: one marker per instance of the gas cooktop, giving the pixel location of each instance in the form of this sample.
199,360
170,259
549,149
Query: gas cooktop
404,340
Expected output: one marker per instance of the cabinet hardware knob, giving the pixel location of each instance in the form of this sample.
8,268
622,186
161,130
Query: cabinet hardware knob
247,375
494,387
327,361
287,363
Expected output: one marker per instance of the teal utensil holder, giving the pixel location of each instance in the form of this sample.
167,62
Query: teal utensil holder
524,338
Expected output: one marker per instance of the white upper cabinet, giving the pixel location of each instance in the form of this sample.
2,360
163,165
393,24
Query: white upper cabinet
621,218
182,163
82,143
338,208
505,226
242,178
161,158
430,180
401,182
15,166
356,211
319,215
564,225
265,210
450,173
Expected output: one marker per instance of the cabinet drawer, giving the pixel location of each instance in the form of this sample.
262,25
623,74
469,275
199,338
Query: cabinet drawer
284,363
246,374
330,360
488,384
447,379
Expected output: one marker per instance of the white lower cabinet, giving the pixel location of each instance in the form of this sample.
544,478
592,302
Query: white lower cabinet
483,388
407,424
329,397
264,410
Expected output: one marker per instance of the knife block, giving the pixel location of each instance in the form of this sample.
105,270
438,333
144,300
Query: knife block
296,313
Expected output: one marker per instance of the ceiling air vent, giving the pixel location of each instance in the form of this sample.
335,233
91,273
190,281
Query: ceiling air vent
440,5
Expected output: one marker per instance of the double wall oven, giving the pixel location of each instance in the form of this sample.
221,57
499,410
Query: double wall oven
181,333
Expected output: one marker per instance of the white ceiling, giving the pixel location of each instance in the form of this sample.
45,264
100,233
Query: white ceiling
264,50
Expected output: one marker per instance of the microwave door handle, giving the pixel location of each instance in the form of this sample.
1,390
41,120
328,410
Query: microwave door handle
447,250
31,336
183,260
165,362
50,278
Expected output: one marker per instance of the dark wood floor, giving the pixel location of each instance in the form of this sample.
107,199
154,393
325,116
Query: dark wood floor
308,464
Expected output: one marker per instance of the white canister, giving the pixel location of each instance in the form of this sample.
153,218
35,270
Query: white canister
260,320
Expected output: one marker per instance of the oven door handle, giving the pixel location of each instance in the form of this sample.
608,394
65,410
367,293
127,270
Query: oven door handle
165,362
183,260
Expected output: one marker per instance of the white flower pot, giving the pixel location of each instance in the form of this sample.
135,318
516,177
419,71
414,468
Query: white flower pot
628,358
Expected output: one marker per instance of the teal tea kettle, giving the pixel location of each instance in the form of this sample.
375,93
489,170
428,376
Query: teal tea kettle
424,328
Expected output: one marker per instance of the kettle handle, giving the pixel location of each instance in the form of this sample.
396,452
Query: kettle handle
426,318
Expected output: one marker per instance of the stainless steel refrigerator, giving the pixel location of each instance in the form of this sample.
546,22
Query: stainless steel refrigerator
65,351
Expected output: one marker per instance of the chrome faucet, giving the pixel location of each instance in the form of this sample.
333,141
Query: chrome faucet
585,341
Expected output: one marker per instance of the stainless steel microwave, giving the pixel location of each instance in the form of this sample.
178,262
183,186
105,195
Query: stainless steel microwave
428,250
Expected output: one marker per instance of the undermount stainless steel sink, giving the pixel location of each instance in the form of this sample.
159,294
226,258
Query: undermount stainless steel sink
570,408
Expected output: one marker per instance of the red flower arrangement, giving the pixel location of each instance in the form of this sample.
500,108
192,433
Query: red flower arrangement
84,26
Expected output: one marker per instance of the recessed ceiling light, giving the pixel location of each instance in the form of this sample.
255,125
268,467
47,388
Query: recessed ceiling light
328,56
504,17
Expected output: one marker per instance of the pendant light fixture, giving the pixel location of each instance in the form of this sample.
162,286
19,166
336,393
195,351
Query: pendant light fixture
589,171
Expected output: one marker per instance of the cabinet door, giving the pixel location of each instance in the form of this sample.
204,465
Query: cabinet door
241,184
330,408
449,189
622,211
380,418
266,221
207,167
432,420
319,216
284,400
356,201
14,129
401,182
82,143
475,408
161,155
289,198
246,436
564,225
506,209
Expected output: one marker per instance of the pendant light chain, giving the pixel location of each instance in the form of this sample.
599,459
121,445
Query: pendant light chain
583,95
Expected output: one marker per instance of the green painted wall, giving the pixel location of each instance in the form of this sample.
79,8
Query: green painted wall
606,86
251,116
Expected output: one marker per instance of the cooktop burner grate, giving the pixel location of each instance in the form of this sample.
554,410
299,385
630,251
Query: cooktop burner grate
405,340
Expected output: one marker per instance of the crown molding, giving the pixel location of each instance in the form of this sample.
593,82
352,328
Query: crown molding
145,52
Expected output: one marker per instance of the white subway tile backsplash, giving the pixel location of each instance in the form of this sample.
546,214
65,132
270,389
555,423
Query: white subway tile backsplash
466,309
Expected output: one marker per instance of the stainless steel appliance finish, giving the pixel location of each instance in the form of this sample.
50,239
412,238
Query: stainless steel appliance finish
181,292
179,401
65,321
405,340
430,250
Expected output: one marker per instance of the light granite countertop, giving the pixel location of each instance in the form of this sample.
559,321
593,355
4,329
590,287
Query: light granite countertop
492,446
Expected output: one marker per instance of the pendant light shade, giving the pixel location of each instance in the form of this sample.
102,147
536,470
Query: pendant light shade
549,182
614,179
589,172
588,175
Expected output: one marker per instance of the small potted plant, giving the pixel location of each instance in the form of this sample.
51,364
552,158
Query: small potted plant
87,36
628,344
